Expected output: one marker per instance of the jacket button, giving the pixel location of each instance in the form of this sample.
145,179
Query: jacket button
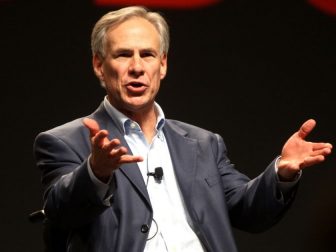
144,228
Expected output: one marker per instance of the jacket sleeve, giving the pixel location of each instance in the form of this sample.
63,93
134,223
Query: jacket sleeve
70,198
254,205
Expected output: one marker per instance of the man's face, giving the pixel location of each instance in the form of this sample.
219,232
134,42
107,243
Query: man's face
133,66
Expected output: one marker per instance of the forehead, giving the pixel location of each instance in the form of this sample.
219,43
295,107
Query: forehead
135,32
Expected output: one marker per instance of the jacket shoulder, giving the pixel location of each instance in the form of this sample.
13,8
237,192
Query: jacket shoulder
191,130
72,128
75,128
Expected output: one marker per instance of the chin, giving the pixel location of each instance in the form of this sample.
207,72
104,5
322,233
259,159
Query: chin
137,106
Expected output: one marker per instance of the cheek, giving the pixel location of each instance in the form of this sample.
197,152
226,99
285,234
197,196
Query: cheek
110,73
112,79
114,71
157,73
156,79
156,85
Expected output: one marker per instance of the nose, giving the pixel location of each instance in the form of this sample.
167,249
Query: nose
136,66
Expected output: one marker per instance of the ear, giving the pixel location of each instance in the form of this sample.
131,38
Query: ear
97,63
163,66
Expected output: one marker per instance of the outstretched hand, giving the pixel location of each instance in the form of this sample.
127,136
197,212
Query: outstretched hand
297,153
106,155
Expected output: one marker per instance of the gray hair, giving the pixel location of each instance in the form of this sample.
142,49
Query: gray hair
113,18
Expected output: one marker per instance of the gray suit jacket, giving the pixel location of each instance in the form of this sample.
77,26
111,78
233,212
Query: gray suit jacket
216,195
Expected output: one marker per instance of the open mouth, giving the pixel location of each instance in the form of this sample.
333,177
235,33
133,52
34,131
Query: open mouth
136,84
136,87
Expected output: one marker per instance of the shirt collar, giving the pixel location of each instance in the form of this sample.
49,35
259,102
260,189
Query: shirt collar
123,122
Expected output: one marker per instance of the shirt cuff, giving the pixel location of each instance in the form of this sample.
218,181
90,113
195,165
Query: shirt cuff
286,186
102,189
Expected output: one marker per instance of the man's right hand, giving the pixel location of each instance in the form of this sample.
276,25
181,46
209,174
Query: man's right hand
106,155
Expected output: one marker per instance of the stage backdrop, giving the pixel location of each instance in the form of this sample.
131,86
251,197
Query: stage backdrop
251,71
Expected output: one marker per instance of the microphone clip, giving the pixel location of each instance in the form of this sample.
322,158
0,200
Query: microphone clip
157,174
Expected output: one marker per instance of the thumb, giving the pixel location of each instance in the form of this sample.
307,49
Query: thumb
306,128
92,125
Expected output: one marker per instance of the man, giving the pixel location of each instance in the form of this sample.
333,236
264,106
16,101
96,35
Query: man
127,179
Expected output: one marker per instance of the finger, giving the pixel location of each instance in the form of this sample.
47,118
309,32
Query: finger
121,155
318,146
309,161
324,152
130,159
118,152
99,140
306,128
92,125
114,143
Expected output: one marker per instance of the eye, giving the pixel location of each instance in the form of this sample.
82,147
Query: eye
146,54
123,54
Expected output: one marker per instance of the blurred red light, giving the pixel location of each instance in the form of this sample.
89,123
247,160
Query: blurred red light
327,6
159,3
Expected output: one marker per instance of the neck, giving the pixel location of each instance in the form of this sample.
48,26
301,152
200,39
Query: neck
146,119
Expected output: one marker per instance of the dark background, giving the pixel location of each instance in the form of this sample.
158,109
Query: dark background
252,71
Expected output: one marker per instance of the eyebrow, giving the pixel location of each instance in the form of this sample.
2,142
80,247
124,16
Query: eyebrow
128,50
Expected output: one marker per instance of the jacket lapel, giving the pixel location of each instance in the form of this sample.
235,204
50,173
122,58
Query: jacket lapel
183,152
131,171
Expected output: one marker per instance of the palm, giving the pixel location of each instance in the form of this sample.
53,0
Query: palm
296,150
298,153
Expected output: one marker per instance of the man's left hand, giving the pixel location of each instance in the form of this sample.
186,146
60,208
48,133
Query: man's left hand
297,153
